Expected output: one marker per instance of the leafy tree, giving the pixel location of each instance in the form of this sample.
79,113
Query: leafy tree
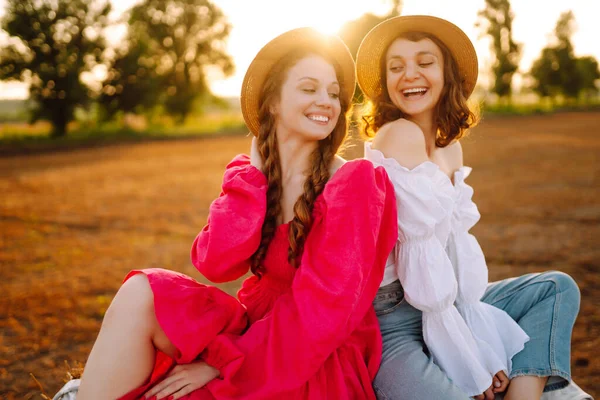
496,19
353,32
546,74
587,68
558,70
132,84
51,43
169,46
570,81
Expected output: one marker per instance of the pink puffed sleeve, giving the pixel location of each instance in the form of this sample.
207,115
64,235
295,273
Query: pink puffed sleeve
221,251
354,230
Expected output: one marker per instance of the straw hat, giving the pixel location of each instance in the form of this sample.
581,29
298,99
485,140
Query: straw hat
301,38
375,44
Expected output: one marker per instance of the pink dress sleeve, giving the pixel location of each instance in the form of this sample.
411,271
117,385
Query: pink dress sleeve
221,252
354,230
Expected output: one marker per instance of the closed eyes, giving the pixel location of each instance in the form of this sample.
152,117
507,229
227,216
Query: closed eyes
333,95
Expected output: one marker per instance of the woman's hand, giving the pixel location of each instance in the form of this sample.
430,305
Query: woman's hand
487,395
500,382
255,158
182,380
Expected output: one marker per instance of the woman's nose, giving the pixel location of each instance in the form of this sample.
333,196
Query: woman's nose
323,99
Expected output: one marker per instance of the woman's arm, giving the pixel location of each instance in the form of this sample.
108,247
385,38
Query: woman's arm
424,203
341,268
497,335
222,250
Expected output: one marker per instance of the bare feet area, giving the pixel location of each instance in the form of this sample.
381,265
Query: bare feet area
72,224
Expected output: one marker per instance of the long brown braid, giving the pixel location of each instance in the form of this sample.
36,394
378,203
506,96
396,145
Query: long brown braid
320,161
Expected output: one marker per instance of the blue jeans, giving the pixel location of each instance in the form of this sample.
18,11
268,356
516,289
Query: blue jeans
545,305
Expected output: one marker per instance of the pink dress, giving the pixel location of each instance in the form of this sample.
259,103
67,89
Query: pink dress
305,333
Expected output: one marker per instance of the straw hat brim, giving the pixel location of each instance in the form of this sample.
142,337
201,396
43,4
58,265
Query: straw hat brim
376,42
301,38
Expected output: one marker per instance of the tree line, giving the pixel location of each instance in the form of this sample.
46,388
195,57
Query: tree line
556,72
161,62
169,46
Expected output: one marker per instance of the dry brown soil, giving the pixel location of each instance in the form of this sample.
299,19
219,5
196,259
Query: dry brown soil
72,224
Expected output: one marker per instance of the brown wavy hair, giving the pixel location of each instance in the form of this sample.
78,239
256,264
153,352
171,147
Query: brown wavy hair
453,115
320,161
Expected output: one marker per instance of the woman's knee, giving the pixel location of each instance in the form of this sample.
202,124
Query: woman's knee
563,288
134,298
565,285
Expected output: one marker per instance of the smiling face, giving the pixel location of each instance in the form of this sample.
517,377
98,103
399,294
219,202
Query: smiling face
414,76
309,104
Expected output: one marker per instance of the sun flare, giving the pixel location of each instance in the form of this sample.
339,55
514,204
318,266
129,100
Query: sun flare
256,22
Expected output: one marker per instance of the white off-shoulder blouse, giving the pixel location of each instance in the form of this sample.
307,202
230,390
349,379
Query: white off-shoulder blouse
443,273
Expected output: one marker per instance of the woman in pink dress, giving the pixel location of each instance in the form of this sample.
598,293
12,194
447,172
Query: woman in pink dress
315,232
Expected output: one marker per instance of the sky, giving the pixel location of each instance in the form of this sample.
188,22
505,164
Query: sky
255,22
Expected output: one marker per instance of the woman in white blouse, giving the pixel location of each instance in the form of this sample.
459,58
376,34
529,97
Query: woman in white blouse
447,334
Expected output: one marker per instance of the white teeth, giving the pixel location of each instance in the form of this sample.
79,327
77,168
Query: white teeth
320,118
414,90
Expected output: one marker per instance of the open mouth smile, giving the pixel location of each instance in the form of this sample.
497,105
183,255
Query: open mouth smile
320,119
414,92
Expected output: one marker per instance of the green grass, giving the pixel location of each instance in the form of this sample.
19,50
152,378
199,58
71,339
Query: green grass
542,107
22,137
13,110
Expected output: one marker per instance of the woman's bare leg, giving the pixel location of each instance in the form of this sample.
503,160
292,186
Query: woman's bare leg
123,355
526,388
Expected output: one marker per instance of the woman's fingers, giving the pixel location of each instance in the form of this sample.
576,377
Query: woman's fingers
159,390
501,382
184,391
497,383
487,395
169,391
182,380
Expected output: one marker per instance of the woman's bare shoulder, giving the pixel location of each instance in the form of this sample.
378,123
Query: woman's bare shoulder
336,164
402,140
454,155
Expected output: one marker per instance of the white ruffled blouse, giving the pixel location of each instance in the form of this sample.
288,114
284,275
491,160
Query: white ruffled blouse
443,273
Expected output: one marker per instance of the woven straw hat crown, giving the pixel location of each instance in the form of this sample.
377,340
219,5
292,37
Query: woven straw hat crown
296,39
377,41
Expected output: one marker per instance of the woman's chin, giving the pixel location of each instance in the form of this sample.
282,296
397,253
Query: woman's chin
414,107
414,110
316,133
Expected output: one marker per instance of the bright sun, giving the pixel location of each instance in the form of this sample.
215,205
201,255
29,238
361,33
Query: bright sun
325,23
328,16
327,27
256,22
